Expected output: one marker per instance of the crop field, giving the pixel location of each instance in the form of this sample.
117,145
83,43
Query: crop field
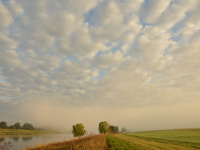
187,139
182,135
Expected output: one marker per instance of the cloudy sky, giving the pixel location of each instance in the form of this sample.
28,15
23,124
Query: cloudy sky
133,63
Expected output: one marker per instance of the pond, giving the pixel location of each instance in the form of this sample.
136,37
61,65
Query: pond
21,142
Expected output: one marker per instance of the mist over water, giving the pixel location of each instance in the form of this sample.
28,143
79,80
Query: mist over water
60,117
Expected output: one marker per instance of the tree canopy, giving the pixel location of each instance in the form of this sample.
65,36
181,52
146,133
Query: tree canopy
3,125
123,130
104,127
17,125
28,126
78,130
114,129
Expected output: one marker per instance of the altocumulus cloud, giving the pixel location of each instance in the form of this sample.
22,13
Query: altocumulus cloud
134,63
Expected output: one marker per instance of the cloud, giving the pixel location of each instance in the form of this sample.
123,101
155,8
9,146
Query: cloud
131,6
126,61
154,10
105,60
6,18
14,8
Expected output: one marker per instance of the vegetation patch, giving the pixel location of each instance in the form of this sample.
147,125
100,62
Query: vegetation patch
185,137
92,142
115,143
24,132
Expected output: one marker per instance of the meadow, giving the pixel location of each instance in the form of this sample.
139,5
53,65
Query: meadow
182,135
183,139
23,132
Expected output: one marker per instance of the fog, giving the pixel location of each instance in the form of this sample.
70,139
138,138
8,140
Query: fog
60,117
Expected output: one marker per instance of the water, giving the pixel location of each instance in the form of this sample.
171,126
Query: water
20,142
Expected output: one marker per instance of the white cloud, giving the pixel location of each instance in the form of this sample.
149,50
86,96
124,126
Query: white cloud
14,8
80,44
105,60
175,13
129,5
6,18
153,45
192,25
6,42
154,10
108,22
9,58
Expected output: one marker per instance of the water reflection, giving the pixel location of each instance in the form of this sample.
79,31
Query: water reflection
15,139
2,139
20,142
27,138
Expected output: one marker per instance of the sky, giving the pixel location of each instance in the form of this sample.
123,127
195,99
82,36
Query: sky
132,63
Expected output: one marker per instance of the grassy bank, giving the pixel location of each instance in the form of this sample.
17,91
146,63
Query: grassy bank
183,139
93,142
23,132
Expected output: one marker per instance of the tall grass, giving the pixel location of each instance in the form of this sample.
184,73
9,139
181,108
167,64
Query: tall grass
91,142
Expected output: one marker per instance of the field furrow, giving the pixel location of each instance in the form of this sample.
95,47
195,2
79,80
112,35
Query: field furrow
152,145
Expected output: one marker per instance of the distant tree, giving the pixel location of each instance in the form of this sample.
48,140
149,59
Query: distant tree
123,130
12,127
28,126
3,125
78,130
114,129
104,127
17,125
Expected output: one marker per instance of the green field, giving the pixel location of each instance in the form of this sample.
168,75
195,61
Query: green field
23,132
183,139
183,135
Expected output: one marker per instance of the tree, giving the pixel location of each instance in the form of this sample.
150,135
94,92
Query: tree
123,130
28,126
17,125
114,129
12,127
78,130
104,127
3,125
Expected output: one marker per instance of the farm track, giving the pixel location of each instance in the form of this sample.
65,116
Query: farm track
152,145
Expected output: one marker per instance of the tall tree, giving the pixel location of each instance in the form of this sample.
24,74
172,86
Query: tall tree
78,130
123,130
3,125
28,126
17,125
104,127
114,129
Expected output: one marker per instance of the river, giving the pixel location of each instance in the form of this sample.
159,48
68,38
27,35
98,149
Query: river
20,142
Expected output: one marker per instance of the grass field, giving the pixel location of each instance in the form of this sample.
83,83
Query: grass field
23,132
182,135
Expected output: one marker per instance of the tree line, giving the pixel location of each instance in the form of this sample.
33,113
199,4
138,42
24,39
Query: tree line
25,126
104,127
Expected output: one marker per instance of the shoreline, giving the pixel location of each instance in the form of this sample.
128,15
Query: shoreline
26,132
